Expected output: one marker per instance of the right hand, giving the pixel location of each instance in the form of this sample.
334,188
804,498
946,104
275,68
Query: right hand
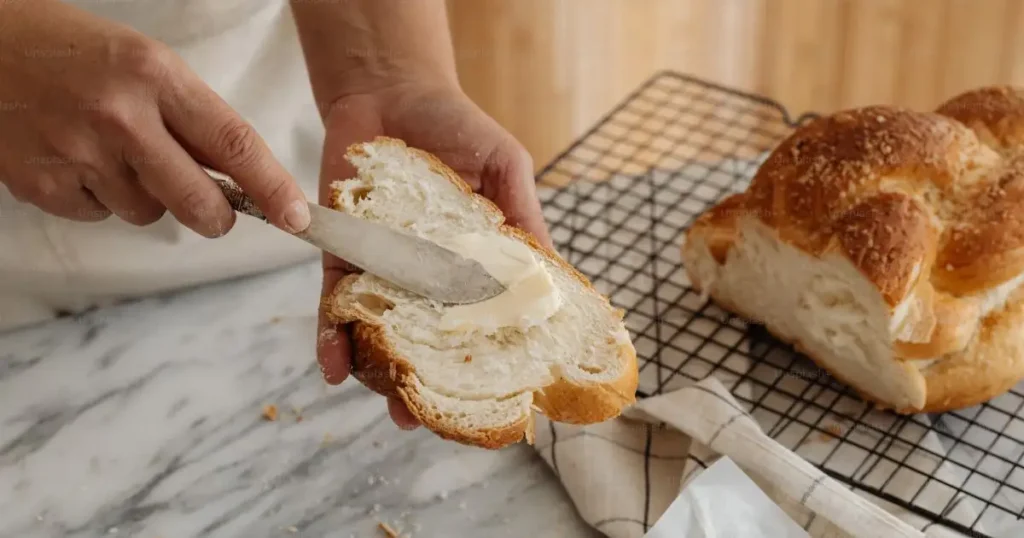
97,119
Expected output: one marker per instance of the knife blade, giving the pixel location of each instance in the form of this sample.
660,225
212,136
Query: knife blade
407,261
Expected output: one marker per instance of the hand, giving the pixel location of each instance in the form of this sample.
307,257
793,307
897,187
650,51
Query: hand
439,119
96,119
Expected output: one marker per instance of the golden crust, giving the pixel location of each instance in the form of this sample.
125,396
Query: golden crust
989,366
383,370
858,182
911,199
950,332
996,113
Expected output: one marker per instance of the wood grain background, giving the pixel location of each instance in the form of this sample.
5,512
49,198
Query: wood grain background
549,69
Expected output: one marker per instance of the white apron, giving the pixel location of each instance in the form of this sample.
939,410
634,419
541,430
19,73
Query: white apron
248,52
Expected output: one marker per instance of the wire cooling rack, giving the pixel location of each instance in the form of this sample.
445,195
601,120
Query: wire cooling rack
619,201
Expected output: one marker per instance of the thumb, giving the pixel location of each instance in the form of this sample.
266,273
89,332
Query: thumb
509,181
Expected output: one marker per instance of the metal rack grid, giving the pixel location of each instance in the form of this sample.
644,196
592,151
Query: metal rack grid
619,201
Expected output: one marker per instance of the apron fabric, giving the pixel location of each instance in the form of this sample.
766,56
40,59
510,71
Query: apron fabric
248,52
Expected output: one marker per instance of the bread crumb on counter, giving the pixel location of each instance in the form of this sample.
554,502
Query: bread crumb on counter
270,412
469,358
387,530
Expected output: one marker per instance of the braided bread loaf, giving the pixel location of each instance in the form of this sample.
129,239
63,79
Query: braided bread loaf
888,246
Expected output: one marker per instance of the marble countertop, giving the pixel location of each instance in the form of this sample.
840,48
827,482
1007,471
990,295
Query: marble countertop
144,420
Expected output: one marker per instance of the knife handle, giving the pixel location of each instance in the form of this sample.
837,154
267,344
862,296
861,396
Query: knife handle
237,198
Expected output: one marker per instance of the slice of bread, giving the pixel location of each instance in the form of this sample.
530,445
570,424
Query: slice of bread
473,385
887,245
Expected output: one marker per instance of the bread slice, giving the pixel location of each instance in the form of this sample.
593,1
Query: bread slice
888,246
475,385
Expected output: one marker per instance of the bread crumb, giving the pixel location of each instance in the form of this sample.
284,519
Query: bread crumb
832,430
469,358
270,412
275,319
112,530
327,439
387,530
371,480
442,495
293,529
374,509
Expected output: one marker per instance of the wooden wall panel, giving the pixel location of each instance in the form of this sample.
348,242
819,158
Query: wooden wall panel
548,69
921,55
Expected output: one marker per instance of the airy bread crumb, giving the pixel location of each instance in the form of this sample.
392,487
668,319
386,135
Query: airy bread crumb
474,387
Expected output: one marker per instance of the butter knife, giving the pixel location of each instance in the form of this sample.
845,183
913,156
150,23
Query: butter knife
409,262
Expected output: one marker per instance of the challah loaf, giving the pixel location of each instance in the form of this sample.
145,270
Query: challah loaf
888,246
474,375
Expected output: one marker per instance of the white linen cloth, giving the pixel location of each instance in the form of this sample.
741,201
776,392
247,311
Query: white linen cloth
622,475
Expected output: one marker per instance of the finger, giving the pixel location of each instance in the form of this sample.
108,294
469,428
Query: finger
351,124
173,177
212,131
333,346
516,191
401,416
121,193
61,197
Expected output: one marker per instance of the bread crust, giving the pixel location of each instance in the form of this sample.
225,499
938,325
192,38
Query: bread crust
997,355
382,369
915,201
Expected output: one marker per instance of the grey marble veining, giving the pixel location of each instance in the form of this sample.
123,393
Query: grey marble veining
144,420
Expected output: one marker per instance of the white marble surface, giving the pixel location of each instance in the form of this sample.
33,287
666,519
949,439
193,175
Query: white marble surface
144,420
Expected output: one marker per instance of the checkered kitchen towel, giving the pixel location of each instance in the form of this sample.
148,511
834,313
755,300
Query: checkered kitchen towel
623,474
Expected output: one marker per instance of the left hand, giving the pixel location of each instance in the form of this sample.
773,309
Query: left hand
440,119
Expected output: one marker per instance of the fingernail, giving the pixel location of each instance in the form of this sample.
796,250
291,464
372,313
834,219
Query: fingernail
296,216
